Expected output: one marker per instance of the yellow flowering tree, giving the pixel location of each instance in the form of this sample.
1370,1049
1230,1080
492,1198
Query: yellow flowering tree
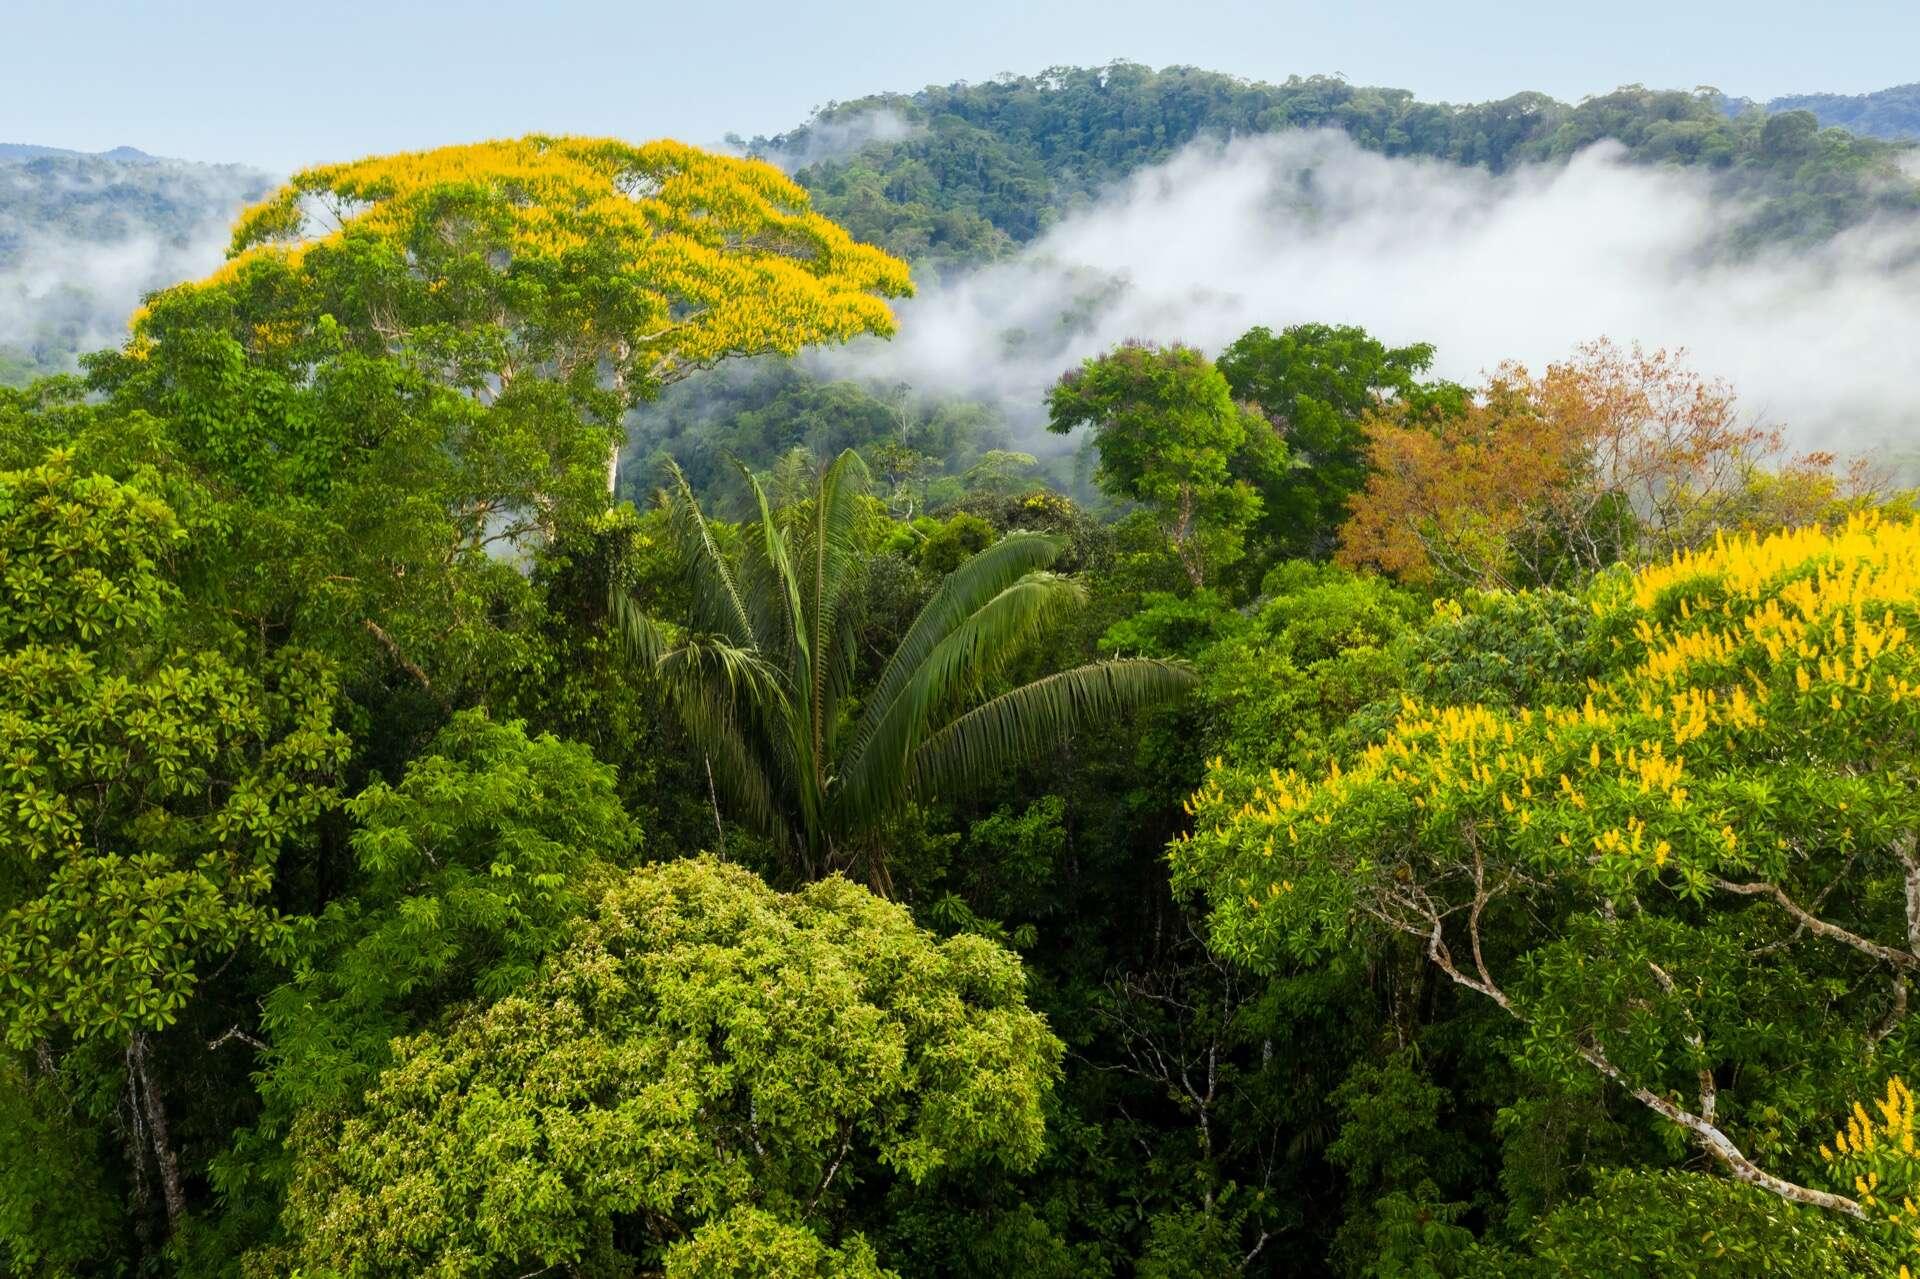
576,256
415,367
1691,883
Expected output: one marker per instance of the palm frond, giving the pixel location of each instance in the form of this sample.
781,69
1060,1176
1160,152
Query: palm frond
1037,717
769,544
745,778
716,593
644,639
877,771
736,675
832,556
797,724
961,594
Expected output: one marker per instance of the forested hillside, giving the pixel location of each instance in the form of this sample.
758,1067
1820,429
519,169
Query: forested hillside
958,175
83,236
1888,113
506,772
987,165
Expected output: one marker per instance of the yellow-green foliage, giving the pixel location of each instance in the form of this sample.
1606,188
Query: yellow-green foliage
1800,645
147,790
703,1070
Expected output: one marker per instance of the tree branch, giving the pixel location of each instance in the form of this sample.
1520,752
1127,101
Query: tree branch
1908,960
404,662
1703,1127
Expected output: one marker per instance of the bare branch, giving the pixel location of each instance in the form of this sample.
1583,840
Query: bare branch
1902,959
234,1032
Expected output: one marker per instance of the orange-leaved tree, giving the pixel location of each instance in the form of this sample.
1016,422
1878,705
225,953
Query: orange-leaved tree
1613,455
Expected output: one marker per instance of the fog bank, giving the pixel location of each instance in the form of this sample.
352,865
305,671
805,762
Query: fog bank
1306,226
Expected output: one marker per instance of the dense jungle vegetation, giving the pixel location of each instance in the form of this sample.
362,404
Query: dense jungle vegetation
1339,822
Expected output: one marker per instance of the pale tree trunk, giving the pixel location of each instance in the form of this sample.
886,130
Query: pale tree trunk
153,1112
1183,548
622,352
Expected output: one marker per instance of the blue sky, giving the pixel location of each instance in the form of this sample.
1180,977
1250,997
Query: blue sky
284,85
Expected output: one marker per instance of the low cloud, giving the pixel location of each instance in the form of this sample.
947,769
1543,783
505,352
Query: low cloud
1305,226
82,239
833,137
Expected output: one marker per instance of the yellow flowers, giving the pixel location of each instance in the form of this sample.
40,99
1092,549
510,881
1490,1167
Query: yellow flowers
1895,1125
1772,634
1874,1158
690,255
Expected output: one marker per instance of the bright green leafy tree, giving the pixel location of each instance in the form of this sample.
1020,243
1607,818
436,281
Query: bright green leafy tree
700,1076
469,872
1171,437
1318,383
149,790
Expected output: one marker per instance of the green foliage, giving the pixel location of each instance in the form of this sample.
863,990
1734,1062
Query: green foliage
704,1054
1643,1225
955,541
927,450
1169,625
1505,649
748,1243
763,677
1315,672
1171,437
467,874
149,792
1318,383
59,1213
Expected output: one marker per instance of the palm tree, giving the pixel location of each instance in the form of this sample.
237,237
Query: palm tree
762,678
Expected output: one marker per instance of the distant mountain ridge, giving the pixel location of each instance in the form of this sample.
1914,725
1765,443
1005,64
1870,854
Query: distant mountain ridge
16,152
84,235
1887,113
959,173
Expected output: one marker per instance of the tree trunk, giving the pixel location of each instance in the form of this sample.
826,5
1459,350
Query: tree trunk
153,1110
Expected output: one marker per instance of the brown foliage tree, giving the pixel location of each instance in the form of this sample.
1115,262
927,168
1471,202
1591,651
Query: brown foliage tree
1613,455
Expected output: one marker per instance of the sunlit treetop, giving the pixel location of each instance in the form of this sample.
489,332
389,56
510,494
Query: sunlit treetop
661,256
1804,641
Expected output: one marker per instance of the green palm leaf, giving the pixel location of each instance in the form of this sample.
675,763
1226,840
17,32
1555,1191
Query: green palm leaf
960,595
876,773
1036,717
716,594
